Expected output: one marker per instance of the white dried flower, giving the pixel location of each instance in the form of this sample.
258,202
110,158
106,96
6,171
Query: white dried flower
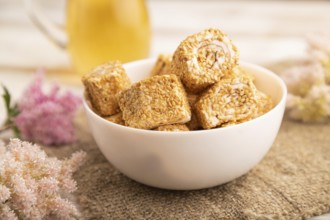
308,82
319,42
300,79
315,106
319,49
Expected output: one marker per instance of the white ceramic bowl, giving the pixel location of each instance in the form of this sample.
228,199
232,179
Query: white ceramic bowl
195,159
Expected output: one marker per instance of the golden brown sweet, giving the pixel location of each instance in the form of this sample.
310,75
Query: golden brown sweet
102,84
175,127
203,59
265,103
200,87
162,65
239,72
192,98
117,118
229,101
155,101
193,124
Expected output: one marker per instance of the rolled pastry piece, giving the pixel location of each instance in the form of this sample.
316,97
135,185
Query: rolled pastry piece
230,101
203,59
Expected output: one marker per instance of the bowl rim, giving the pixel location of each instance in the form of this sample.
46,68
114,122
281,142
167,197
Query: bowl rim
174,133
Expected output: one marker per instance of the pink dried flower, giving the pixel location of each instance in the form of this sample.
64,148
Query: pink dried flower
4,193
32,185
46,118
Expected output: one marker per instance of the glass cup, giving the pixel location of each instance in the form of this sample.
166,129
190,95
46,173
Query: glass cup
99,30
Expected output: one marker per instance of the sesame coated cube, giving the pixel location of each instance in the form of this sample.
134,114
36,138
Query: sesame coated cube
117,118
193,124
239,72
153,102
175,127
162,65
265,103
229,101
203,59
102,84
192,99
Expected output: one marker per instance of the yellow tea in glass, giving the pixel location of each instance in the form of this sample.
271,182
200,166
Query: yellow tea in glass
102,30
99,31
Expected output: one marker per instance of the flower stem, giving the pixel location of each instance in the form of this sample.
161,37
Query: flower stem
5,127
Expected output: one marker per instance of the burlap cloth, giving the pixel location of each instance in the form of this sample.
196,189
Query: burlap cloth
291,182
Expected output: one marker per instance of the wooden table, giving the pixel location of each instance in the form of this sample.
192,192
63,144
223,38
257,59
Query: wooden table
264,31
